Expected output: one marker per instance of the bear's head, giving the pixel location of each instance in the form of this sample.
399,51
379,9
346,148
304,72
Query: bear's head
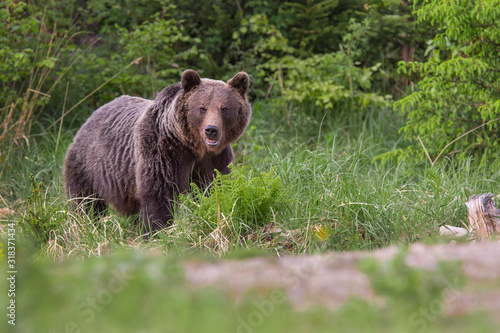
216,112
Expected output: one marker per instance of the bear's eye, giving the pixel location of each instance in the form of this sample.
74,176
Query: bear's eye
224,109
203,110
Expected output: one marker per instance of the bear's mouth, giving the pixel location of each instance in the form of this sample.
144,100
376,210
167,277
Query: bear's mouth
212,143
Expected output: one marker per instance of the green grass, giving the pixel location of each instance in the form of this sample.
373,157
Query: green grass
331,189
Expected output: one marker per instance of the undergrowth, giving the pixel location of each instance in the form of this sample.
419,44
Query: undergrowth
289,193
42,217
242,195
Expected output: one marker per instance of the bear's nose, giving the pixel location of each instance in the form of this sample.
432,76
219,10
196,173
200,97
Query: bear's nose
211,131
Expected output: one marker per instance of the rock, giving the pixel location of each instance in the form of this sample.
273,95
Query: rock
452,232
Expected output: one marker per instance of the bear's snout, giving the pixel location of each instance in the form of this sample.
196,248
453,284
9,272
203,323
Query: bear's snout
211,131
212,134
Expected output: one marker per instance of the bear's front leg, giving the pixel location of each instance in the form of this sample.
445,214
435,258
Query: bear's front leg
156,213
159,182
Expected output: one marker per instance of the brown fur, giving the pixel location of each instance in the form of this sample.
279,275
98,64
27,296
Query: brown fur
138,154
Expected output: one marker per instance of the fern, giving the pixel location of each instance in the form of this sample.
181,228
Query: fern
243,200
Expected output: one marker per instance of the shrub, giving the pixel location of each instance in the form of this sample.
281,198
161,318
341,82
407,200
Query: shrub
324,80
164,46
29,55
456,109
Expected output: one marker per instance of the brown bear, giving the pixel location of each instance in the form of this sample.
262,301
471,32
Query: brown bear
138,154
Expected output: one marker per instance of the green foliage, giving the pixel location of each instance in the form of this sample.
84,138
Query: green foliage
324,80
415,298
259,45
213,23
162,44
386,32
17,51
107,14
37,53
258,38
237,203
309,23
141,55
42,216
23,67
456,109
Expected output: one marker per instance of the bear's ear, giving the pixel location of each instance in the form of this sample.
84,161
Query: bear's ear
190,79
240,82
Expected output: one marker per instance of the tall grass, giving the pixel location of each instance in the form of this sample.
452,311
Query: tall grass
46,71
335,198
31,96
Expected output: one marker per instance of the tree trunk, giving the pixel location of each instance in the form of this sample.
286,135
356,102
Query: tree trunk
484,216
